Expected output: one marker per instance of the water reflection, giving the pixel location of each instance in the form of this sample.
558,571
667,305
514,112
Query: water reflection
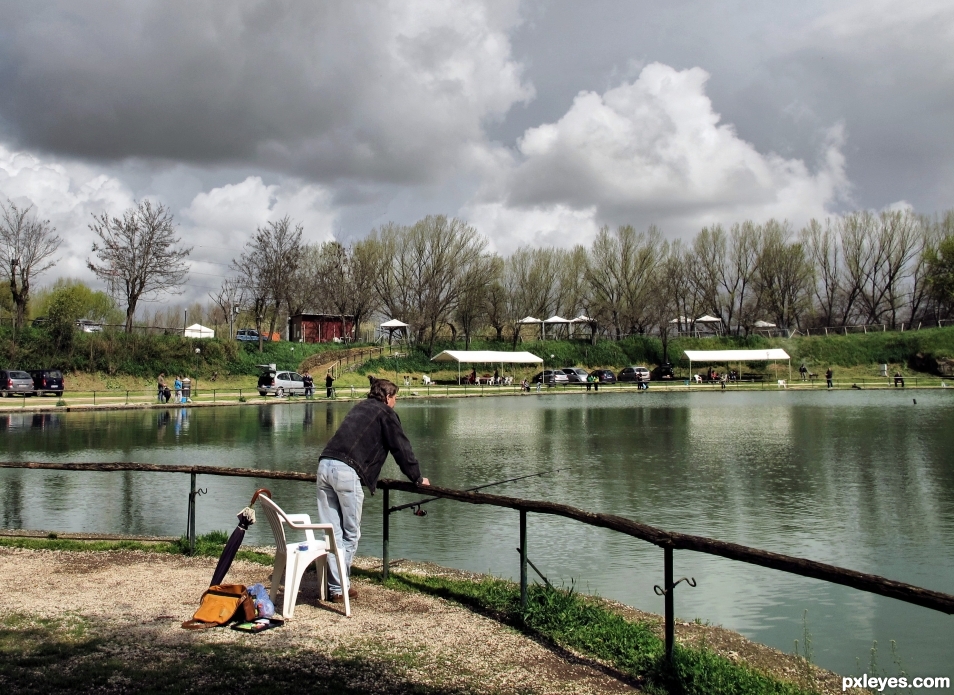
13,500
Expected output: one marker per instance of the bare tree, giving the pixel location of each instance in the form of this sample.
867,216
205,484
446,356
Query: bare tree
139,254
706,271
470,311
738,275
361,271
421,269
229,298
669,292
823,249
619,275
784,275
496,296
273,255
250,269
939,273
27,246
529,275
341,278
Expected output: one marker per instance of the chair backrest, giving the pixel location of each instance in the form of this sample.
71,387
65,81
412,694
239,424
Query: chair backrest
275,517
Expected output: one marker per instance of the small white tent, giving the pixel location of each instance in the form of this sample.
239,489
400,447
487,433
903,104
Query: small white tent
394,325
198,331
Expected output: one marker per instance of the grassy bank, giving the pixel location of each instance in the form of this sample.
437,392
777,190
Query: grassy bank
860,354
561,618
144,356
120,361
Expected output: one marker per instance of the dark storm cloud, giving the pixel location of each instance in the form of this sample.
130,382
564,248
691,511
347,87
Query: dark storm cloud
325,90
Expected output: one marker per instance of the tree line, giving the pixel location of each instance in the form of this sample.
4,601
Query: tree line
438,275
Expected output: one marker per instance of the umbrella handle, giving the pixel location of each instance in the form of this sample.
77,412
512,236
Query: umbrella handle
261,491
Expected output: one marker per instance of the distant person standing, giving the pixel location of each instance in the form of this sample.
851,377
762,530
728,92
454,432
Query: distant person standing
161,385
898,379
177,386
329,385
803,372
828,376
309,381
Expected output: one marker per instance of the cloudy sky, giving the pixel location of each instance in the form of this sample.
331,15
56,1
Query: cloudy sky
536,121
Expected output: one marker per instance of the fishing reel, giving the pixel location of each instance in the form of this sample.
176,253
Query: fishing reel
418,511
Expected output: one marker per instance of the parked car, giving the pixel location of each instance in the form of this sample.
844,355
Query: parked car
88,326
13,381
633,374
576,375
40,321
279,383
47,381
551,377
664,372
604,376
250,335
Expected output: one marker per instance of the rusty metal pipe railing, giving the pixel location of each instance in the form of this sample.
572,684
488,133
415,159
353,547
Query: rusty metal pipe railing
668,540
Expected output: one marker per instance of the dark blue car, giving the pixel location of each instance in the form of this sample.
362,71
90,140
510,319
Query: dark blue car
47,381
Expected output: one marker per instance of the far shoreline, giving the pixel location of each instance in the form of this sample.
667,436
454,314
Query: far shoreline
87,404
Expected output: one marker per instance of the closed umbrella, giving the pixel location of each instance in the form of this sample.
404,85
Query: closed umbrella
246,518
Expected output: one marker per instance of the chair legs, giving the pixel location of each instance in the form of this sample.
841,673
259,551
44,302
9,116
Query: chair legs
278,571
294,566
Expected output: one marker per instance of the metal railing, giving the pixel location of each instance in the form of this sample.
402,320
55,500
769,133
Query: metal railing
669,541
208,396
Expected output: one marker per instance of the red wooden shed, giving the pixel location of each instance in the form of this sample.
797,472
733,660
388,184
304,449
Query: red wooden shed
320,328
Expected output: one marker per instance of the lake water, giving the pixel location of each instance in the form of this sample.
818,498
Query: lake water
863,480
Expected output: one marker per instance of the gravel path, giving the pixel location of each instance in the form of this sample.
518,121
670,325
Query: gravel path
139,600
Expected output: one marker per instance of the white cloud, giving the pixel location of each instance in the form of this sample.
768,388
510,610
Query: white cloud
652,151
65,194
224,218
217,222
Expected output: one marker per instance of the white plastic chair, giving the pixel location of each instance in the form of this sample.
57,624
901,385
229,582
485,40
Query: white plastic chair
291,561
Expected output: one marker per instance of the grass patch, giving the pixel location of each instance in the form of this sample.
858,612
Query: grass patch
207,545
570,620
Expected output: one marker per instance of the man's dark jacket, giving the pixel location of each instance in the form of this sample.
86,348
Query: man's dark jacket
369,432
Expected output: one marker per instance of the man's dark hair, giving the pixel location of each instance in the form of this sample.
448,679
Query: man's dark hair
382,389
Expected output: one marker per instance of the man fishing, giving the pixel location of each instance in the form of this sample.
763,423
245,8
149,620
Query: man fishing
353,458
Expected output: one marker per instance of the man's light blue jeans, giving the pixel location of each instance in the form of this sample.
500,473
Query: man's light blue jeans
340,499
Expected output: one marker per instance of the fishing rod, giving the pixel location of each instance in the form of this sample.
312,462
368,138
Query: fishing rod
421,512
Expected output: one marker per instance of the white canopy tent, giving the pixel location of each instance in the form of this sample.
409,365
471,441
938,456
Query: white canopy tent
485,357
197,330
728,356
531,320
764,324
555,320
394,325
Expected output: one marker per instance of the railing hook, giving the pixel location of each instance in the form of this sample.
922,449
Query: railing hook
662,592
